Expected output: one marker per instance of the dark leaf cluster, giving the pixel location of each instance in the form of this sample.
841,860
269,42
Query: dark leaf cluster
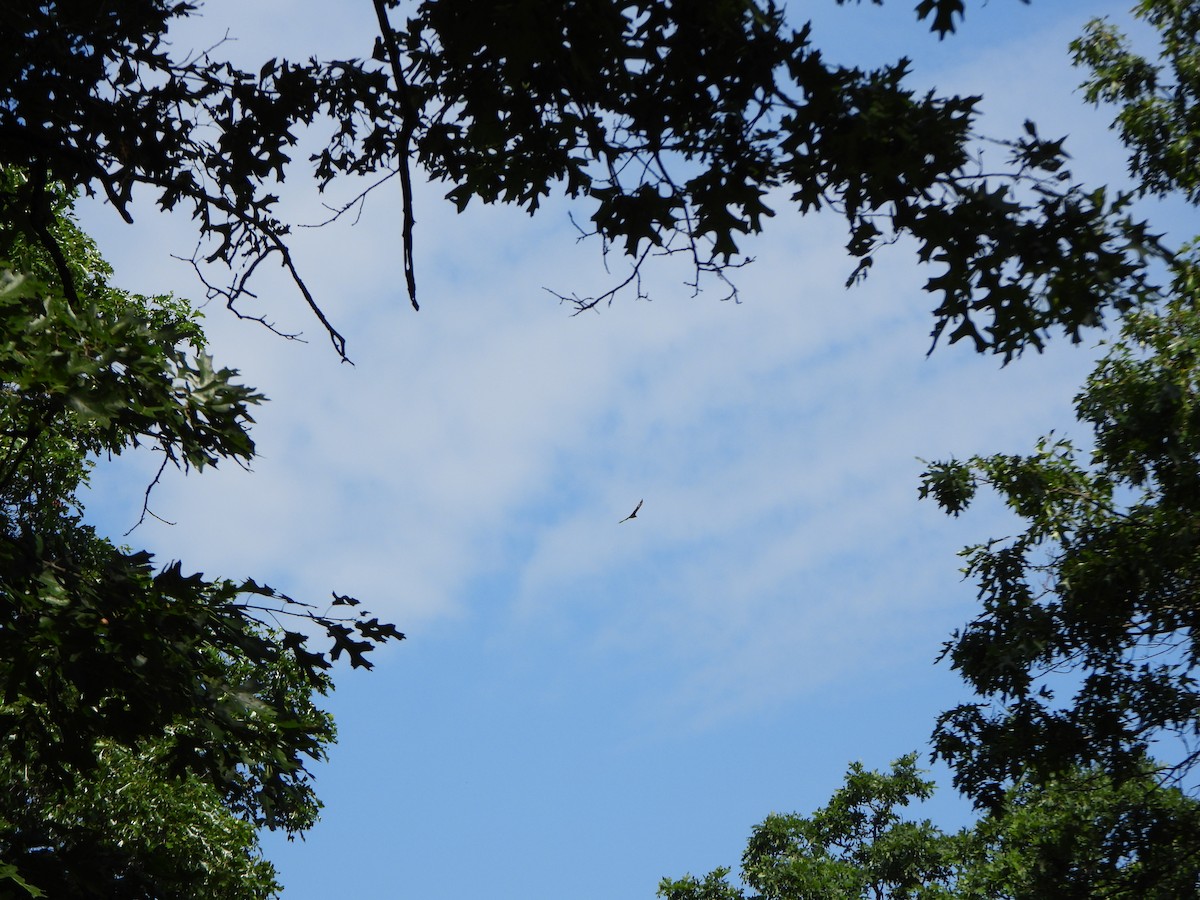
679,126
94,100
115,675
681,123
1086,649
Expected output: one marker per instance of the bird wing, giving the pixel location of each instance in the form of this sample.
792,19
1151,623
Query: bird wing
633,515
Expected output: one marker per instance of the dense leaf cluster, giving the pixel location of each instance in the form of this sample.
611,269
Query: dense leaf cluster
1086,650
1159,117
1101,584
681,123
1079,836
131,829
184,699
1084,656
679,126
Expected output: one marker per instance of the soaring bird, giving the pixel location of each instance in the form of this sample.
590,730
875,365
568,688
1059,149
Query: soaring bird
633,515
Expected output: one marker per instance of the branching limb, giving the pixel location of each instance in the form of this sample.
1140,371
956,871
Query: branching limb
356,203
146,510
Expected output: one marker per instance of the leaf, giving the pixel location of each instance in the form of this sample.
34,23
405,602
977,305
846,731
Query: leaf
10,873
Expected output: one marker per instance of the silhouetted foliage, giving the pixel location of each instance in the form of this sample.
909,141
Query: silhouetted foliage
184,700
678,126
1086,650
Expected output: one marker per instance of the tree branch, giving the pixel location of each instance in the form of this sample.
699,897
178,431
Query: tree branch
407,127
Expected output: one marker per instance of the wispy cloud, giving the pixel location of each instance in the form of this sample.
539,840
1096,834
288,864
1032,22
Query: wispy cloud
494,439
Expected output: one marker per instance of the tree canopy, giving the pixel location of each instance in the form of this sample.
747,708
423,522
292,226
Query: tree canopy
184,700
1086,649
859,845
676,125
678,128
1081,835
1100,583
1080,748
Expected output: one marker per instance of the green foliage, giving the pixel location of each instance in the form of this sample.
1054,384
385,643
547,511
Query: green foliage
130,829
860,845
676,124
1086,649
157,693
1082,835
1159,118
679,120
1099,583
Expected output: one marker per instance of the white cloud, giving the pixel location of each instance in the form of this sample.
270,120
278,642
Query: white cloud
492,435
466,478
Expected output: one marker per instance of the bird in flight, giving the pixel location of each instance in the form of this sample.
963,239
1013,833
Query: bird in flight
633,515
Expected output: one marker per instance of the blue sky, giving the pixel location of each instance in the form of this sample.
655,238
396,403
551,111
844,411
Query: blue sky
584,707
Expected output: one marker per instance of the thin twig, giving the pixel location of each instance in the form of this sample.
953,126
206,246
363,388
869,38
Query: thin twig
146,510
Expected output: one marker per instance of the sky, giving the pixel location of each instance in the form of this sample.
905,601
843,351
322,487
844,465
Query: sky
583,707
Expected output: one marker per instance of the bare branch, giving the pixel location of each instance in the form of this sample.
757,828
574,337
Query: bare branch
146,511
408,125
